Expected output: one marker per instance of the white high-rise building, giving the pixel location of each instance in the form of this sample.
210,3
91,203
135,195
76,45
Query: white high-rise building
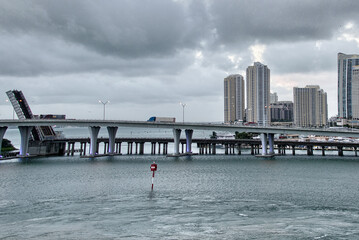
233,98
310,106
258,94
348,86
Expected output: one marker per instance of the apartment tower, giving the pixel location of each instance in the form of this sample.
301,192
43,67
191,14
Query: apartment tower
233,98
348,86
258,94
310,106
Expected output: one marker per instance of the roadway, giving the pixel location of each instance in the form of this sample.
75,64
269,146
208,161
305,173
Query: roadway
186,125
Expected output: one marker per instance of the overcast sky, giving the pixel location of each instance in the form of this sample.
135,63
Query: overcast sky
147,56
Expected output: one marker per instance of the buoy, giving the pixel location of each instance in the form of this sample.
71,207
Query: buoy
153,169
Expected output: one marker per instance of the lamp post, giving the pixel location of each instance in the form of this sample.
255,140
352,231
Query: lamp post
104,108
183,105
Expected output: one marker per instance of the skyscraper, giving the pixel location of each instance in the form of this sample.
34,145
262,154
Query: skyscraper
233,98
310,106
258,94
348,86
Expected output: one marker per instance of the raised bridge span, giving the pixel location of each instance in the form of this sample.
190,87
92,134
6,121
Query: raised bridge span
267,132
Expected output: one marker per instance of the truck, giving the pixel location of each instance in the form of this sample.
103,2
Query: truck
162,119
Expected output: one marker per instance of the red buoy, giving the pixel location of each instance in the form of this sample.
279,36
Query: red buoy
153,169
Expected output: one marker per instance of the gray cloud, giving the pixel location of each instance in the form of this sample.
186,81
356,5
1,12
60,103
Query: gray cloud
161,52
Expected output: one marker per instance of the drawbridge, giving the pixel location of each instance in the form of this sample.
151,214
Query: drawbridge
23,111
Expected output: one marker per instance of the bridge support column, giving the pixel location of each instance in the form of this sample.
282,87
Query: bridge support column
68,148
176,135
142,148
93,140
25,135
323,151
355,151
252,149
84,152
264,143
293,150
340,151
189,134
2,133
72,148
111,139
81,148
309,150
271,143
213,148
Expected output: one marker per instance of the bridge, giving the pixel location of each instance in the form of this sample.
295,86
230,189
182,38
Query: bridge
267,132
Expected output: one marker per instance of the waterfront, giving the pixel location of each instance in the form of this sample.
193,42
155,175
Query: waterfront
200,197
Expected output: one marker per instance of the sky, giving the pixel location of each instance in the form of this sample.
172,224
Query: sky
147,56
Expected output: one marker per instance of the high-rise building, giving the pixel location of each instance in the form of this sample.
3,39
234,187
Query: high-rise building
348,86
233,98
281,111
273,97
310,106
258,94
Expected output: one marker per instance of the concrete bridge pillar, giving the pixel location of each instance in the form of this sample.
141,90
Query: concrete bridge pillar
84,152
176,135
340,151
293,150
264,143
309,150
239,147
355,151
2,133
111,139
142,148
189,133
25,135
213,148
271,143
93,139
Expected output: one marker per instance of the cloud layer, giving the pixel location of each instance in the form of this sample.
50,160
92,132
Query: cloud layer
153,54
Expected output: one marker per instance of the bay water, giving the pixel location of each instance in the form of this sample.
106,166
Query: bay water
197,197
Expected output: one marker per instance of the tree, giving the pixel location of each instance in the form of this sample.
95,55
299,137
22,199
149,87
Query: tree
6,145
244,135
213,136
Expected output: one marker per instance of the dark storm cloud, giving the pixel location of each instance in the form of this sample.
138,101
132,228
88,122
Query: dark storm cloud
280,21
79,36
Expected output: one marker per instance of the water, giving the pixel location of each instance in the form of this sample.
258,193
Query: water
199,197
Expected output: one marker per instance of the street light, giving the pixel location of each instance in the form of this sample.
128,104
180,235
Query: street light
183,105
104,107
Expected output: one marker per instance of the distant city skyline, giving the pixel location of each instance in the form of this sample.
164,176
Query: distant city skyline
147,56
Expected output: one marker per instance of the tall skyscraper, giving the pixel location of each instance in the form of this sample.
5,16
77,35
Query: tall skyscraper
233,98
258,94
348,86
310,106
